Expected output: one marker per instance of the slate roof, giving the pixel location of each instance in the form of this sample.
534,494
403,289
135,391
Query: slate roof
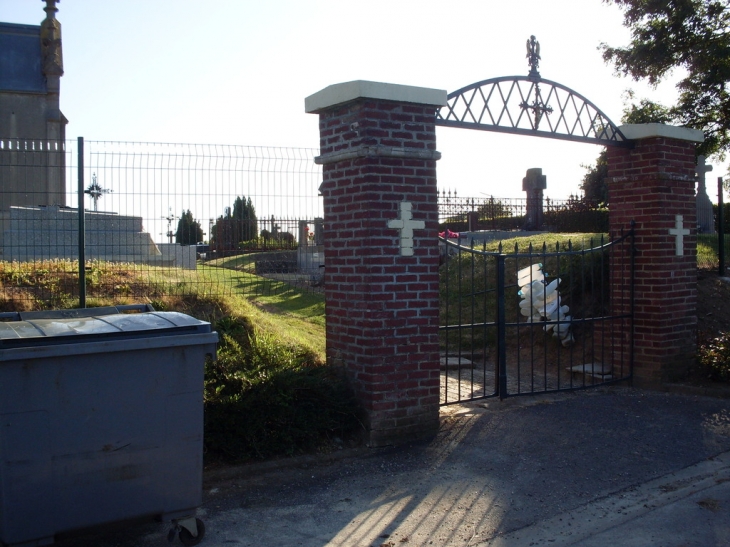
20,59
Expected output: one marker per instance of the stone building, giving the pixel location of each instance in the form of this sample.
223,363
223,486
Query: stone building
32,127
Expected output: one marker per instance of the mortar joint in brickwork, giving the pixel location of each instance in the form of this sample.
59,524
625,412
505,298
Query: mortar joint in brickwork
378,151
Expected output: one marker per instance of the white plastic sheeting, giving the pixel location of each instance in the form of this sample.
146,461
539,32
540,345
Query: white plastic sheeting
540,301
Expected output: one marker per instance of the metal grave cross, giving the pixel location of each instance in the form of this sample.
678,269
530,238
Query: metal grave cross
679,231
406,225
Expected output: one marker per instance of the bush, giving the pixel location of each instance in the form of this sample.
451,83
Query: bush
714,357
725,217
264,398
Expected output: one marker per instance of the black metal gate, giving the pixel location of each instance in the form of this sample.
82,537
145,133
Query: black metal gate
542,320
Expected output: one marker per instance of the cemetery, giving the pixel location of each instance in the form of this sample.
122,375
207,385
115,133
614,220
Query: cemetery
424,301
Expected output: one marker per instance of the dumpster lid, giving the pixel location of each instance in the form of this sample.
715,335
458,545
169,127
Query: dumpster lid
95,323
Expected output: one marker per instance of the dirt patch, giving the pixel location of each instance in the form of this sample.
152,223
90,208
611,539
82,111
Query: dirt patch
713,318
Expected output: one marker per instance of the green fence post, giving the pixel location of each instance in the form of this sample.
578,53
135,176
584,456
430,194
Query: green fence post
82,228
720,228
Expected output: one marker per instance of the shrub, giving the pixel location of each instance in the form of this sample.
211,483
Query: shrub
714,357
264,398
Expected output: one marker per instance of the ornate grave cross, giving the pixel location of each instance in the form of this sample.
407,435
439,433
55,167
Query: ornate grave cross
538,107
406,225
169,218
679,231
95,191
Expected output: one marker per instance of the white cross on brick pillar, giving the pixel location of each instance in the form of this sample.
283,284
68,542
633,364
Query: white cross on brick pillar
406,225
679,231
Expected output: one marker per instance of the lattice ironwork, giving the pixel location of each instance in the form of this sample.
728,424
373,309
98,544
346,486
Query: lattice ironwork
529,105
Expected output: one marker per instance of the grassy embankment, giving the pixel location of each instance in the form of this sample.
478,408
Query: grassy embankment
268,394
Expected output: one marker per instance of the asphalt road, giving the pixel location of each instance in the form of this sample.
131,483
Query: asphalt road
610,467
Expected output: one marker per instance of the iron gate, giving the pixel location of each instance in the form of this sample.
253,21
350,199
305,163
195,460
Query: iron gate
542,320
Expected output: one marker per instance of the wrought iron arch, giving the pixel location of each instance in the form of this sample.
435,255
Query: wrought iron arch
529,105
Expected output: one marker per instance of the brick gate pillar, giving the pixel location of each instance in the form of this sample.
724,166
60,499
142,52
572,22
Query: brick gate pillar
378,157
653,185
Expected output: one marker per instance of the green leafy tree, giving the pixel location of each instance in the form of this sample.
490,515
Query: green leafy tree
594,185
238,224
245,213
645,111
693,35
188,231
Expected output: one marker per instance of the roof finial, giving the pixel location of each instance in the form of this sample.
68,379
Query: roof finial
51,8
533,57
51,41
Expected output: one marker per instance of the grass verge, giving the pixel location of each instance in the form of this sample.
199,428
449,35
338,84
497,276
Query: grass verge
269,393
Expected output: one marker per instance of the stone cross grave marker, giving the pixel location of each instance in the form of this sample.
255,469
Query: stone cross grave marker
533,184
705,217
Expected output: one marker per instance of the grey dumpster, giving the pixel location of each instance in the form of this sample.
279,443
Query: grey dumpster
101,420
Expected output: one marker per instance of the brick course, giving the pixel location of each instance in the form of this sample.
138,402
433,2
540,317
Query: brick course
650,184
382,308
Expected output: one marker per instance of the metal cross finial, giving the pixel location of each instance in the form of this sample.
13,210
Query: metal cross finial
533,57
538,107
95,191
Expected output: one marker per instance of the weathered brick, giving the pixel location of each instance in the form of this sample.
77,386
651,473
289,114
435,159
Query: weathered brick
650,184
381,312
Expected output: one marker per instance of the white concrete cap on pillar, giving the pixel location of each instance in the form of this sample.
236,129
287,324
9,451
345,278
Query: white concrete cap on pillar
637,131
361,89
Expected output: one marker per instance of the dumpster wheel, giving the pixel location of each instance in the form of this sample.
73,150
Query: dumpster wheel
183,530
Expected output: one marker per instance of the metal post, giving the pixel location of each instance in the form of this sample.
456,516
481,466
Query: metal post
501,329
82,227
720,228
632,294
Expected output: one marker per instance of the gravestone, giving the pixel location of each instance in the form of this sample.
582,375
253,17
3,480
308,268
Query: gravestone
705,217
310,251
533,184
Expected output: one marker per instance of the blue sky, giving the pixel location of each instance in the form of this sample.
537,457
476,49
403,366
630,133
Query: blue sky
237,72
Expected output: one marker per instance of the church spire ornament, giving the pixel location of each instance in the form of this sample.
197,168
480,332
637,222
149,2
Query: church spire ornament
51,41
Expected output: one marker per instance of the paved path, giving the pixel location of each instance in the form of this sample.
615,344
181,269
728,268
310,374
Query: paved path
610,467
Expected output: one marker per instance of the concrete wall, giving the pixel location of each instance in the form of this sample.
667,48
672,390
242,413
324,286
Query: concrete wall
179,256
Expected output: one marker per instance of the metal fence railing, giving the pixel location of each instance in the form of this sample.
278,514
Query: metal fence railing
158,219
518,321
508,214
140,221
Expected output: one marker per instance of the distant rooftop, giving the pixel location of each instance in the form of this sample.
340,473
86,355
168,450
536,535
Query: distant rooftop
20,59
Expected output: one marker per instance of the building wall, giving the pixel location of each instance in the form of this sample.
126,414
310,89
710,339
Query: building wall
32,127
